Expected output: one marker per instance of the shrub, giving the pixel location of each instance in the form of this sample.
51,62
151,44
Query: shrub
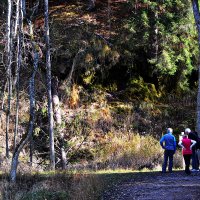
131,151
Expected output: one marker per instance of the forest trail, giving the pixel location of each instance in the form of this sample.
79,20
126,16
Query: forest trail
155,185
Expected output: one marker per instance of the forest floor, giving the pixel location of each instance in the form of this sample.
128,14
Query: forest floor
155,185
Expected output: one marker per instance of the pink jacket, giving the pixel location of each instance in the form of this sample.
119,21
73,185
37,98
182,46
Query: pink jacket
186,143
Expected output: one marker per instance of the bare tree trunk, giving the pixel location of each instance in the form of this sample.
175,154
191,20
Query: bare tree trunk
48,67
26,138
31,150
198,101
18,61
3,99
195,6
28,135
91,5
9,63
16,18
109,17
58,119
24,7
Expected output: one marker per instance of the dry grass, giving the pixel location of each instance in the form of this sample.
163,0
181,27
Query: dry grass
131,151
88,185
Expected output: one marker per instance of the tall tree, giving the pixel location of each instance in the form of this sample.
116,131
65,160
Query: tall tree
35,56
162,42
58,120
9,65
27,136
195,5
18,32
48,68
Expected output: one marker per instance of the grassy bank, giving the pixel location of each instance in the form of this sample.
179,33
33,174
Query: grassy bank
73,185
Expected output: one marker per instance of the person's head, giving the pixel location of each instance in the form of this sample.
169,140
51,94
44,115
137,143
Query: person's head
184,135
187,130
169,130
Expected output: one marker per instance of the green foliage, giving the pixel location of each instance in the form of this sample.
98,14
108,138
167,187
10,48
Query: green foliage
164,32
140,90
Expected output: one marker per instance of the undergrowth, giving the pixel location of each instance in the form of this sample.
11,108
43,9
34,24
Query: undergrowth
88,185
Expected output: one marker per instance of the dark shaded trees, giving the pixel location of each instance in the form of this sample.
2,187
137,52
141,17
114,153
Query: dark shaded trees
195,5
162,43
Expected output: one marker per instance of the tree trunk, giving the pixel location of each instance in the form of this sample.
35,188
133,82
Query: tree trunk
24,7
195,6
16,18
26,138
18,61
9,63
109,18
198,101
58,119
48,67
91,5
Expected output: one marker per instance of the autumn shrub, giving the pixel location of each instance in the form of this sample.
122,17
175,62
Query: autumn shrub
55,186
131,151
178,160
86,187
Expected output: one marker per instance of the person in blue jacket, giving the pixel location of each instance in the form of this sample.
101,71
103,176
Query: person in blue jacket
168,143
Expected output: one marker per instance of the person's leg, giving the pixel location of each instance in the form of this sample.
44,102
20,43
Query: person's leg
164,166
171,155
187,163
197,157
194,159
197,160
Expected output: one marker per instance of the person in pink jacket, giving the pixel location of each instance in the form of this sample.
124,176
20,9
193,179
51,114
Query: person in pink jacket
186,145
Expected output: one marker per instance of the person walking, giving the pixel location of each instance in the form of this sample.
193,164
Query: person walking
187,145
168,143
193,136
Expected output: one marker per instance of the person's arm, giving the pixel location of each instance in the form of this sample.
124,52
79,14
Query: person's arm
161,142
181,144
174,144
193,143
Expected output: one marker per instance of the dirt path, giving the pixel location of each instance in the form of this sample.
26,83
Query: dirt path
174,186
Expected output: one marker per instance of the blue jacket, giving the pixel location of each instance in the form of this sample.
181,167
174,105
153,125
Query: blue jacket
170,142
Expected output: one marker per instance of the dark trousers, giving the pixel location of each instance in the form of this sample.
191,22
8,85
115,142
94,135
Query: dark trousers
168,155
195,161
187,159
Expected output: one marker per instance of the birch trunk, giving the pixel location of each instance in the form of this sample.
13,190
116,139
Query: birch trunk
48,67
58,119
24,7
19,62
16,18
9,62
26,138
